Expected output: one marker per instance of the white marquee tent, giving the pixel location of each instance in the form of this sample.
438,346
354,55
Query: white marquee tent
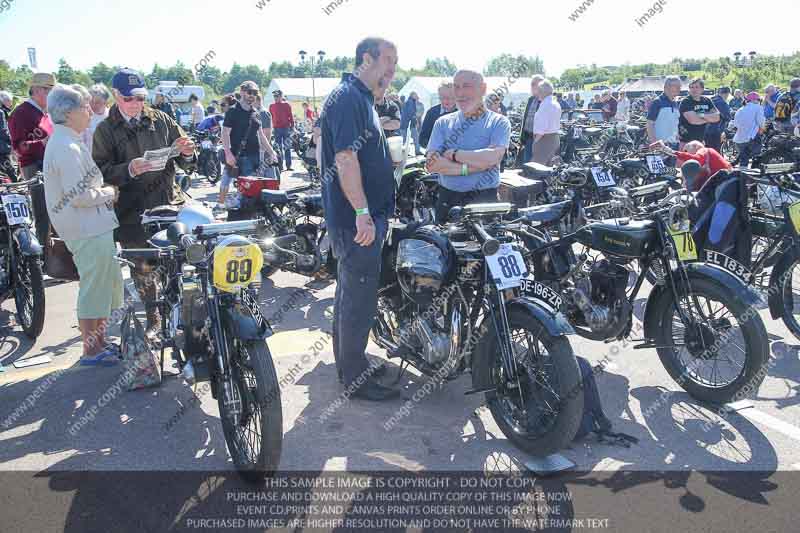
516,91
300,89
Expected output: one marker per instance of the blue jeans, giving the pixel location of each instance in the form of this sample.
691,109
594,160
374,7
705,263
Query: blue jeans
527,151
248,166
283,138
356,301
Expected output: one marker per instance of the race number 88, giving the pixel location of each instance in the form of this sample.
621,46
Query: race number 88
509,266
238,271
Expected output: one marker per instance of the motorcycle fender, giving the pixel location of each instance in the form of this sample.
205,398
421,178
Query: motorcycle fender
27,242
243,325
775,298
697,271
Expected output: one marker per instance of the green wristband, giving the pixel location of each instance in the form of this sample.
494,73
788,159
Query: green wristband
362,211
464,169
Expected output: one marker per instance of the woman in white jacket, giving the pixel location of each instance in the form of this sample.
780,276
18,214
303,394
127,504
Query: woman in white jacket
81,209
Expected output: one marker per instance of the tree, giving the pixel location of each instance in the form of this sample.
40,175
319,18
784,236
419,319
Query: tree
439,66
102,73
508,65
239,74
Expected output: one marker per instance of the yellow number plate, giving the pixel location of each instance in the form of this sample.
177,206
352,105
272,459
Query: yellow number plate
236,265
684,245
794,216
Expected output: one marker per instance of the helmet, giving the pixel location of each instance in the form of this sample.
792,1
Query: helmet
195,215
425,263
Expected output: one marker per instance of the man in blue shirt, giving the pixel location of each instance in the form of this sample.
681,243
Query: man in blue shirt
358,198
466,147
715,130
663,115
770,101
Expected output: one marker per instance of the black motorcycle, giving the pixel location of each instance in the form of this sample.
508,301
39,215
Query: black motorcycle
450,304
305,148
701,319
20,258
208,159
212,322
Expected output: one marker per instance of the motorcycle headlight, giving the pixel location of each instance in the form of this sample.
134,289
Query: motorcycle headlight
196,253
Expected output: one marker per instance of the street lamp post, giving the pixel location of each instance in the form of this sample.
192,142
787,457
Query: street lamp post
320,58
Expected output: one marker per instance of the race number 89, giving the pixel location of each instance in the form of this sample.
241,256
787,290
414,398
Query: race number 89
238,270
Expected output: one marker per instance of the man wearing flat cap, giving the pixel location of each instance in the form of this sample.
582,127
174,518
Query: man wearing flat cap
30,127
118,148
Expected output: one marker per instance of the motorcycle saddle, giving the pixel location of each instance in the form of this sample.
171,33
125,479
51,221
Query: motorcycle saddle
160,240
546,214
274,197
163,211
625,163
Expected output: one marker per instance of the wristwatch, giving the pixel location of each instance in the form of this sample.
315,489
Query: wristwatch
453,157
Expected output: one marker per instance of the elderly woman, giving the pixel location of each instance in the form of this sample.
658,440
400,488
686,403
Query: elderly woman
99,103
82,211
546,126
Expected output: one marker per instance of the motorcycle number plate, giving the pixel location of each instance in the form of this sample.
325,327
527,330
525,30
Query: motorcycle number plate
507,267
794,216
206,145
16,207
576,133
236,266
684,245
730,264
603,177
542,293
656,164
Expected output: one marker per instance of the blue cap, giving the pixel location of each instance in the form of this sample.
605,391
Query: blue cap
129,83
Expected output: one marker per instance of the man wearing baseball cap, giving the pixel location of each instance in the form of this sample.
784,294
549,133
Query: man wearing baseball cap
118,147
749,121
282,124
30,127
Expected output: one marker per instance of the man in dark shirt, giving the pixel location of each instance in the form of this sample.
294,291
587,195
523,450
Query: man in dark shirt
389,115
447,105
714,131
696,112
358,197
609,107
240,132
165,107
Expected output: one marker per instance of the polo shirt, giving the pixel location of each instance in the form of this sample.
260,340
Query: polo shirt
281,115
455,131
349,121
664,113
28,126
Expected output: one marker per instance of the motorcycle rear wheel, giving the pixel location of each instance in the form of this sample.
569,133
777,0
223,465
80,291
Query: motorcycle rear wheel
252,417
29,296
533,429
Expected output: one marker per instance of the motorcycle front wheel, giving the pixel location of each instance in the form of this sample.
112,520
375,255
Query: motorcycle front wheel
251,415
718,353
29,296
543,414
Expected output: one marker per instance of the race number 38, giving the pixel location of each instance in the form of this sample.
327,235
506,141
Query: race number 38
236,264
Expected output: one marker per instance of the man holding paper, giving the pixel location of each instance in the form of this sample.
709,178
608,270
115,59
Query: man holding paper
137,148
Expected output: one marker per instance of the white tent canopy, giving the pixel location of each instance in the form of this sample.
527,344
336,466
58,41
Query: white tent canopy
515,92
299,89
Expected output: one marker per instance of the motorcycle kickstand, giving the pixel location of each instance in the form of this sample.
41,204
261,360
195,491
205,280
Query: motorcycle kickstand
403,366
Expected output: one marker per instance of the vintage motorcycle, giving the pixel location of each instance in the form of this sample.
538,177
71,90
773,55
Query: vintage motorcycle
450,304
700,318
207,278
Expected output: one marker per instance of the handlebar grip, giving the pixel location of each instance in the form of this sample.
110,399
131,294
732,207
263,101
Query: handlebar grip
489,245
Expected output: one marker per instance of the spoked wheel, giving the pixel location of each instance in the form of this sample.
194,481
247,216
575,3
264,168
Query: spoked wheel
29,296
541,410
250,410
791,297
721,349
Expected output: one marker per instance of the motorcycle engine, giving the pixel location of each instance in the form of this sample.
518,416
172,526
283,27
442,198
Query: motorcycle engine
599,299
428,337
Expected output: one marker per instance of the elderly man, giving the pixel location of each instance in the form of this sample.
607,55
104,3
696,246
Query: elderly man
466,147
526,137
6,166
770,101
663,114
118,148
546,126
737,102
447,105
99,104
358,197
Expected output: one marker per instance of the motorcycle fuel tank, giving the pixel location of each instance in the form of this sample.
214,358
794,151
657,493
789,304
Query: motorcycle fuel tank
620,237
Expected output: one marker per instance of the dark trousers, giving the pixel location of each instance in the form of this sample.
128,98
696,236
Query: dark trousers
448,199
714,140
38,204
746,152
356,301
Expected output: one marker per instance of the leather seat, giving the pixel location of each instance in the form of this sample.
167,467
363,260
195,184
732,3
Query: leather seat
546,214
164,211
275,197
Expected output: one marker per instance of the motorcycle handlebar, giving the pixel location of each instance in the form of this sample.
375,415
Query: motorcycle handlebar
207,231
489,245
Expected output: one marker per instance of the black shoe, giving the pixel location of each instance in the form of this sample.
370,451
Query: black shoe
378,371
374,391
289,169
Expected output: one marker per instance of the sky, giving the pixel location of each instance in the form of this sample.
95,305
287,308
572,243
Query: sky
469,32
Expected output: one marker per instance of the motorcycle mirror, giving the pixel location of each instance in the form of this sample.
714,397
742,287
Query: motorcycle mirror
175,231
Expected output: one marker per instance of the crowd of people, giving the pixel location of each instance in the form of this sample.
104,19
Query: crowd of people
97,182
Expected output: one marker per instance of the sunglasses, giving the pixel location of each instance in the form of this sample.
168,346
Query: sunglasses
129,99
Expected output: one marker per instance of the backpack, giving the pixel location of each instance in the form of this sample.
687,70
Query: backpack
594,420
785,106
